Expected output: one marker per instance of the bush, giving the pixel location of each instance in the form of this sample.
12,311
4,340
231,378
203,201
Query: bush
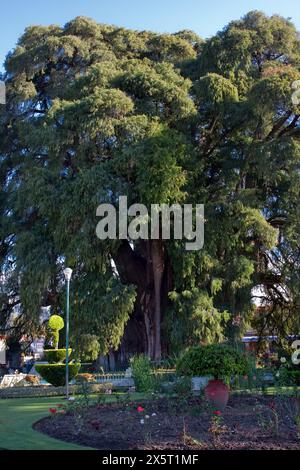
288,378
55,374
55,323
217,360
142,373
53,356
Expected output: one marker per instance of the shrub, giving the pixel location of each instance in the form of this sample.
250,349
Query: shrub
288,377
55,323
182,387
55,374
217,360
142,373
53,356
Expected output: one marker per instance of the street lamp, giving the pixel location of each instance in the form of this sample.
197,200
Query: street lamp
68,275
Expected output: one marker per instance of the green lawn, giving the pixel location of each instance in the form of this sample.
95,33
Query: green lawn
16,419
18,414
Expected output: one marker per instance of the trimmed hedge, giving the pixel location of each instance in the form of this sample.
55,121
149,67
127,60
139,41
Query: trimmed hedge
53,356
217,360
50,391
55,374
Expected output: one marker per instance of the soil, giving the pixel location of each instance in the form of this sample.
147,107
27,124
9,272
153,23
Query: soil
248,423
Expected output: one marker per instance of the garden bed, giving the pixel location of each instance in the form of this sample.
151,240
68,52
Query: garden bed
249,422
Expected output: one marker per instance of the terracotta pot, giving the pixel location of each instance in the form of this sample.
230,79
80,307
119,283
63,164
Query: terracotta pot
217,393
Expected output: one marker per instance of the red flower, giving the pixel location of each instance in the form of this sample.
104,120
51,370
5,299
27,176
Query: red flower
96,424
217,413
53,411
140,409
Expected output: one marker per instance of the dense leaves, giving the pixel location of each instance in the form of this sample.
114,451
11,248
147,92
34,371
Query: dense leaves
94,112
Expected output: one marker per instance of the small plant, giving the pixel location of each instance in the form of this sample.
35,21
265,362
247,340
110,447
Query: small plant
60,409
189,440
217,428
145,421
142,374
182,387
274,418
77,409
268,418
55,323
297,421
83,391
52,411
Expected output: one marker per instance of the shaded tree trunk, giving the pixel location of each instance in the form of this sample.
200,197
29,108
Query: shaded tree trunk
147,267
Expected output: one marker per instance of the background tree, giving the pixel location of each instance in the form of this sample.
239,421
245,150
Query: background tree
95,112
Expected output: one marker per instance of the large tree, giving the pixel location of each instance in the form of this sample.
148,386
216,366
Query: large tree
94,112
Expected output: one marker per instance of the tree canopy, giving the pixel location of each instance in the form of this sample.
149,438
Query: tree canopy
94,112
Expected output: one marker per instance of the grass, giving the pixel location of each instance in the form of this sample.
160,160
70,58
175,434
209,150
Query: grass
19,414
16,419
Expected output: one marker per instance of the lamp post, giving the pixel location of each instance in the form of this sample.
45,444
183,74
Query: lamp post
68,275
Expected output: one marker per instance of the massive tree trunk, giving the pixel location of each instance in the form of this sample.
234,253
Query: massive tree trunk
147,267
158,266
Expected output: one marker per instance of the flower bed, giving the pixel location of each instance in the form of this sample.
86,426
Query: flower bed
249,422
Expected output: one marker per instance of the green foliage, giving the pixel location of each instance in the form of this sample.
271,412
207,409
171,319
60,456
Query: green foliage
55,323
142,373
182,386
217,360
53,356
87,347
55,374
97,111
288,377
193,318
103,310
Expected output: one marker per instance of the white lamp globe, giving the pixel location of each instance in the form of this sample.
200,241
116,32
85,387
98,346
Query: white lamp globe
68,273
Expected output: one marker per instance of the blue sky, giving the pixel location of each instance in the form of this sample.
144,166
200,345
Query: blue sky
203,16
